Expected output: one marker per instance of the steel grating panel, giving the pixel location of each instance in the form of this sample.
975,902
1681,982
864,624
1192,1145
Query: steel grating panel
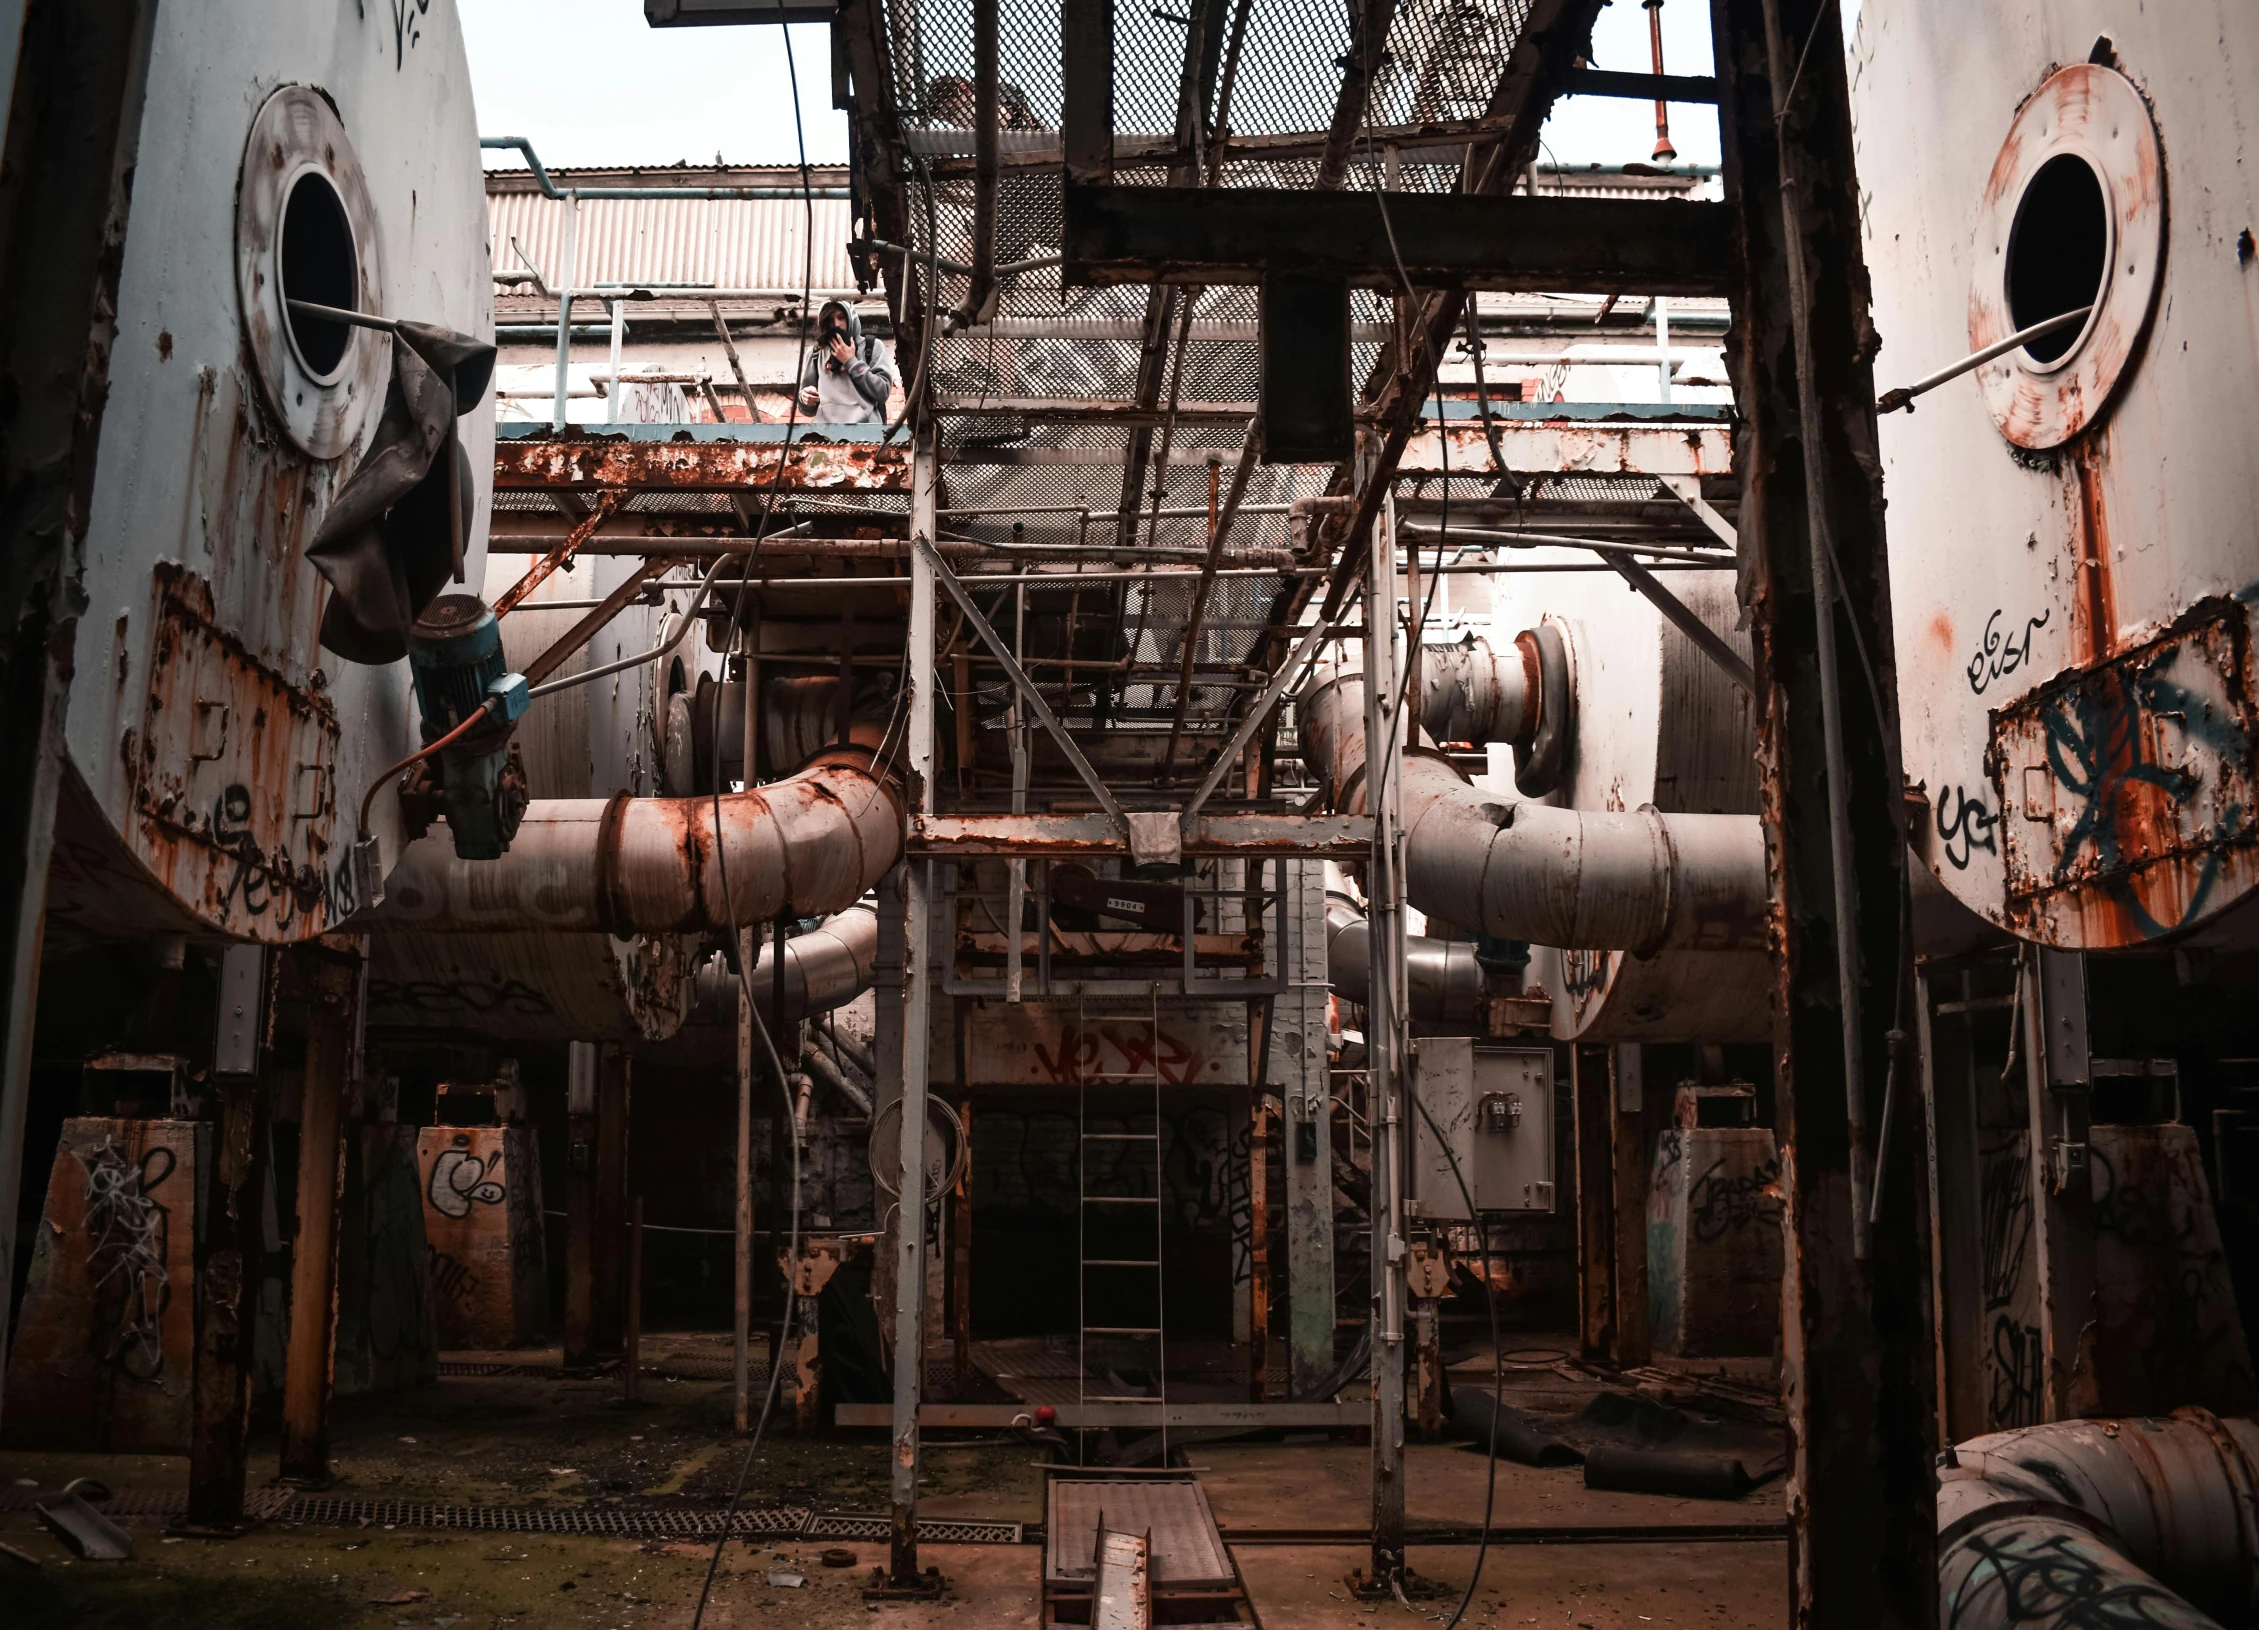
625,1520
1187,1549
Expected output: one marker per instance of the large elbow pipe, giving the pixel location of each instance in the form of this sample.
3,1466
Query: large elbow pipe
806,846
1447,986
2084,1522
1639,881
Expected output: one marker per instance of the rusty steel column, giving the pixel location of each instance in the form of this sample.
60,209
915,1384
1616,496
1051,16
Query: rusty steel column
227,1303
1594,1088
741,1256
1856,1346
580,1202
608,1281
917,1029
1629,1122
66,182
310,1362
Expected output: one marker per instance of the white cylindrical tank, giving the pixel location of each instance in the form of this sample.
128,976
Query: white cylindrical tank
219,754
2074,528
1656,723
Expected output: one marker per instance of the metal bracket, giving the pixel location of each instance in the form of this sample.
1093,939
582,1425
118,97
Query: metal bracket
1021,683
1681,616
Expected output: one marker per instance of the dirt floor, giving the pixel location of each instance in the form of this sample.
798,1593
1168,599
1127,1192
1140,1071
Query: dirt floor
541,1440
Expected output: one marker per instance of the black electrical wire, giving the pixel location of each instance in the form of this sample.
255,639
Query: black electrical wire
721,849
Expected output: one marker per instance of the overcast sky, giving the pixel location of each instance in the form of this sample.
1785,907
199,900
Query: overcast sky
590,83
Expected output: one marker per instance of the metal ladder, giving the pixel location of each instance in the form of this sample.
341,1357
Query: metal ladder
1117,1204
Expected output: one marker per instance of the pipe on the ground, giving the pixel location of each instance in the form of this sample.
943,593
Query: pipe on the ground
806,846
1447,987
1639,881
2142,1521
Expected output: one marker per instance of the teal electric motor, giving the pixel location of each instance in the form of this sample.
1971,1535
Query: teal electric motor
455,656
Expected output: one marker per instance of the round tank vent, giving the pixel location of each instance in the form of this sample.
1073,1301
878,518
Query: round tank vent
305,229
2058,253
317,264
2073,215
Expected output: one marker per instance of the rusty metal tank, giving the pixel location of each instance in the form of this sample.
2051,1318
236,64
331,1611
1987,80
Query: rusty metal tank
2073,552
1656,723
218,755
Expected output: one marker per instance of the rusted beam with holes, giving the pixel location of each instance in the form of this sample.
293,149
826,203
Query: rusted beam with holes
1241,234
1859,1377
1324,837
586,462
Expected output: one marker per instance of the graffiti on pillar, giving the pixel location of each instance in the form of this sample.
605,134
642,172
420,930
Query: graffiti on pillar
128,1231
451,1280
2014,1360
459,1179
1717,1204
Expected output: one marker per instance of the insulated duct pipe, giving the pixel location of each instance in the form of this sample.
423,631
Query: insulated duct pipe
1446,985
1635,881
808,845
1473,692
2145,1521
827,967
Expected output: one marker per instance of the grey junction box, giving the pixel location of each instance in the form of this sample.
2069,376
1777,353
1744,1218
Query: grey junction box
1493,1107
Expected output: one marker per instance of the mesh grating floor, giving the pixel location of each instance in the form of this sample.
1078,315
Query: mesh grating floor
623,1521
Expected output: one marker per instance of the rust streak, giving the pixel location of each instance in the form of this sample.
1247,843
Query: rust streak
2094,616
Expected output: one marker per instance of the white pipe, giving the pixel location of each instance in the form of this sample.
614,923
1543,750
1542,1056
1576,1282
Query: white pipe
1442,982
1637,881
2145,1521
1472,692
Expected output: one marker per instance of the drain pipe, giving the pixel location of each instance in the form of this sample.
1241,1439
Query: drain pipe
806,846
1638,881
2144,1521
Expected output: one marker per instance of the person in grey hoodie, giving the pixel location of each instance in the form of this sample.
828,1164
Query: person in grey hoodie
849,376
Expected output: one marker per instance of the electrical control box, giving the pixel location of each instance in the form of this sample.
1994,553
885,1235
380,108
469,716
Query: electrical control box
1491,1108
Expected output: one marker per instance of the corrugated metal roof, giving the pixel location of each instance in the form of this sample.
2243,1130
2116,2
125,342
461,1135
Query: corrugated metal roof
755,243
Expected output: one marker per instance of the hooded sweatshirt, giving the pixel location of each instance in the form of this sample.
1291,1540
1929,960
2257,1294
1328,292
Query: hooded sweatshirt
847,392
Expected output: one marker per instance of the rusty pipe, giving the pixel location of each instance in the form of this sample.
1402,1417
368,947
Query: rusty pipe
1639,881
2037,1527
806,846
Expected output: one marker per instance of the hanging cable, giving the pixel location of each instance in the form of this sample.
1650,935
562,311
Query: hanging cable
729,913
